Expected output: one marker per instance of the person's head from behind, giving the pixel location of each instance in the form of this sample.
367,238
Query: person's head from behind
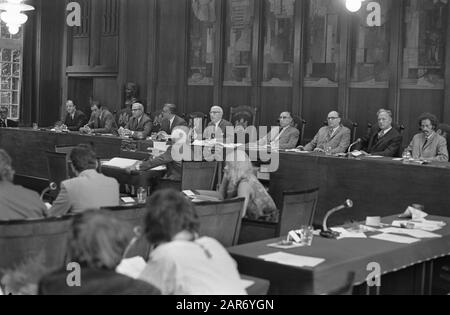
334,119
286,119
83,158
384,119
137,110
3,112
428,123
70,107
237,167
98,240
96,108
216,114
169,111
169,215
6,169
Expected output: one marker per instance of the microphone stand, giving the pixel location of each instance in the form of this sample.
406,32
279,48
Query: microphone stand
329,233
51,187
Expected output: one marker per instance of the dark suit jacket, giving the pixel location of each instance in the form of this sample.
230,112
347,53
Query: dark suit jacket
78,121
18,203
211,132
10,123
106,124
174,168
145,125
388,145
165,124
95,282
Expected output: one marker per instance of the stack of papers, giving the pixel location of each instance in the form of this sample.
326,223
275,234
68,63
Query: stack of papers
395,238
293,260
348,234
121,163
412,233
424,225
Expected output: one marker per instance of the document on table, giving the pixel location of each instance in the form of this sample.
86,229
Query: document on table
426,225
160,168
395,238
292,260
412,233
348,234
121,163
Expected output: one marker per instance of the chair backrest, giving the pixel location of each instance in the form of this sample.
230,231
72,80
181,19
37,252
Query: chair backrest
300,124
58,169
221,220
194,119
67,149
399,127
199,175
353,126
29,239
298,209
243,116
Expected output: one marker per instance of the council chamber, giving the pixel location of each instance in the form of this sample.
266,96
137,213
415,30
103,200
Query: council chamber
224,147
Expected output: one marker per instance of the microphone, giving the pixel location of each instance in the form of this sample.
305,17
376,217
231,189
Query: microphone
353,144
325,231
51,187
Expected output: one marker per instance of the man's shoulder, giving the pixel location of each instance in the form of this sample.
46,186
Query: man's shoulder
79,113
226,123
292,130
8,189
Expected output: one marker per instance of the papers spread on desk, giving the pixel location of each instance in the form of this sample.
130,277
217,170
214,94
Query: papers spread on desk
128,200
298,151
412,233
160,146
374,156
120,163
348,234
280,245
425,225
292,260
395,238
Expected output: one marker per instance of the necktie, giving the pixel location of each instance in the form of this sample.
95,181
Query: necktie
425,144
329,135
380,134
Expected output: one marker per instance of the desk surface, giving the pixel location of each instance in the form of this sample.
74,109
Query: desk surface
341,257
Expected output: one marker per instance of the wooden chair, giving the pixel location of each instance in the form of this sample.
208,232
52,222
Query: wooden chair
300,124
400,128
193,119
350,125
58,169
221,220
29,239
134,216
243,116
199,175
298,209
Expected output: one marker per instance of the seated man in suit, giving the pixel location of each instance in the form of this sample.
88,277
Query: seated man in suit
285,137
170,121
16,202
4,121
102,121
383,140
75,119
428,145
219,128
140,125
89,189
332,139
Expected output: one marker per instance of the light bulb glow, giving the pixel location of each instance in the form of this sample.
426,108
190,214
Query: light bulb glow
13,16
353,5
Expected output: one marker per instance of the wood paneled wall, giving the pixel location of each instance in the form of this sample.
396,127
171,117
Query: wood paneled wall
149,46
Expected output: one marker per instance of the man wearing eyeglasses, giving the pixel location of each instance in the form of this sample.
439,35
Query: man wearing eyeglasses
332,139
140,125
285,137
217,128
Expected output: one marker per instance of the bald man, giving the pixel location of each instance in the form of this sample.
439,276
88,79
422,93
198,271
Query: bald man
75,119
218,126
285,137
332,139
139,124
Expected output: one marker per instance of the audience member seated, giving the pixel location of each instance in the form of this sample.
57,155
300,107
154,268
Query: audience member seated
89,189
285,137
240,181
4,121
169,121
428,145
182,263
97,243
332,139
75,119
217,128
179,138
383,140
16,202
102,121
140,125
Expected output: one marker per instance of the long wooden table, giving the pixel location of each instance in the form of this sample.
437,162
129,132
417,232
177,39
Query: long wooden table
378,187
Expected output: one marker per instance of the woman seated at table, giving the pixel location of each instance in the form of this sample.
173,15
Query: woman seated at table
240,181
181,262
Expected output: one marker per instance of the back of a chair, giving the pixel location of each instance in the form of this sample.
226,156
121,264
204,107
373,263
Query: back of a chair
243,116
21,241
67,149
199,175
298,209
221,220
352,126
197,119
300,124
58,169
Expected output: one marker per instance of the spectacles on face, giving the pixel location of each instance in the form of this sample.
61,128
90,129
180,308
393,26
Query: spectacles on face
135,110
215,112
332,118
284,117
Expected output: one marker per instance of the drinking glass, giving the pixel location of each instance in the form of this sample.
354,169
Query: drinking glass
306,235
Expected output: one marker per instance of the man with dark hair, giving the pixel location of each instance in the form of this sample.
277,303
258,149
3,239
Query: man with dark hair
89,189
97,242
428,145
75,119
102,121
384,139
4,121
170,121
16,202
